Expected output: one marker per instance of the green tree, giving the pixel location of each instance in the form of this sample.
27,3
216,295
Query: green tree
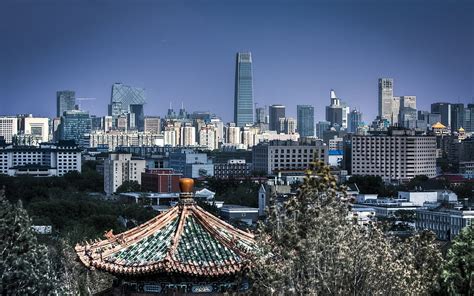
458,271
129,186
25,266
309,246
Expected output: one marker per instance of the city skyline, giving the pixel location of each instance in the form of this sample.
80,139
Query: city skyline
290,64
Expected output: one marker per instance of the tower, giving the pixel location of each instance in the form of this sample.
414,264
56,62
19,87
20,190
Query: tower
385,98
65,101
243,97
276,112
305,118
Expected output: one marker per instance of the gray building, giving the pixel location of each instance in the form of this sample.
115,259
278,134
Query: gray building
305,120
152,124
321,127
180,159
243,97
287,156
260,115
385,98
445,223
65,101
276,112
355,120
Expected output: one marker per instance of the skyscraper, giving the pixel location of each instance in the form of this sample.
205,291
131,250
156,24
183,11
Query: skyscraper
457,116
444,109
276,112
337,113
305,120
355,120
65,101
74,125
260,115
385,98
243,98
123,96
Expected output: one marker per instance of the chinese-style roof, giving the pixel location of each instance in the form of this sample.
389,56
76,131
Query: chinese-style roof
438,125
186,240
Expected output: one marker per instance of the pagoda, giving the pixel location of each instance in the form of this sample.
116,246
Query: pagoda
184,250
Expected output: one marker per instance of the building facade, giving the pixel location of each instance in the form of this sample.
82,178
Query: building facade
276,112
398,155
445,223
385,98
233,168
8,128
287,156
123,96
75,125
160,180
243,98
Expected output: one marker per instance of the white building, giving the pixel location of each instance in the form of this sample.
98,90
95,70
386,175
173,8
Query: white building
114,139
45,160
445,223
8,127
399,155
418,198
36,127
188,136
233,134
208,137
121,167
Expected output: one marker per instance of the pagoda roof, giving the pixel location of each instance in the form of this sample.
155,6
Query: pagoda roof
185,240
438,125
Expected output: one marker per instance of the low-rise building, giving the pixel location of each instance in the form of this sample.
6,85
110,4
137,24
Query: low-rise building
445,223
243,214
233,168
418,198
44,160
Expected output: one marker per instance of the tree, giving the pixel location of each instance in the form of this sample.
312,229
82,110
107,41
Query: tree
309,246
458,271
25,266
129,186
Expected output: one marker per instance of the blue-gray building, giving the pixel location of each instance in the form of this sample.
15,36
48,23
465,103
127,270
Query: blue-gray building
305,118
243,99
75,125
65,101
123,97
321,127
355,120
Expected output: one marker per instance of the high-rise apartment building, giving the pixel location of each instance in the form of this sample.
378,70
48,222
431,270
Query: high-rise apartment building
276,112
152,124
233,134
75,125
208,137
126,99
243,97
396,155
385,98
36,128
188,136
305,120
65,101
121,167
444,109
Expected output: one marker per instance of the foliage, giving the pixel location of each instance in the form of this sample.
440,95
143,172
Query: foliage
234,191
309,246
129,186
26,267
372,185
458,272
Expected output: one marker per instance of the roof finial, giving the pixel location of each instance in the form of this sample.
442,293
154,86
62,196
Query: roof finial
186,186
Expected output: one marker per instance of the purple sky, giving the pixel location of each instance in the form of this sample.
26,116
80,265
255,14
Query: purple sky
185,51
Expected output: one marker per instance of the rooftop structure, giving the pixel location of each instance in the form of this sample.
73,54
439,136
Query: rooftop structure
184,250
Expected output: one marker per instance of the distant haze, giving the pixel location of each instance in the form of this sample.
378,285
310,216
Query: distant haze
184,51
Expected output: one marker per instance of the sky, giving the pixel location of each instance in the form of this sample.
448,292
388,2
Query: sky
184,52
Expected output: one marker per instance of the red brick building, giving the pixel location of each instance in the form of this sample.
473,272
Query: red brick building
161,180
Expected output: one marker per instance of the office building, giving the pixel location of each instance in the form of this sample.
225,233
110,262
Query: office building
121,167
152,124
287,156
457,117
191,164
444,222
355,121
337,113
44,160
385,98
444,109
287,126
161,180
243,97
469,118
233,134
8,128
233,168
276,112
126,99
321,127
305,120
65,101
75,125
188,136
396,155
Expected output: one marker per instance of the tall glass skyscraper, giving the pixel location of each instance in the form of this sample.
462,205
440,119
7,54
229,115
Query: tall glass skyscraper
305,118
276,112
355,120
75,125
243,98
65,101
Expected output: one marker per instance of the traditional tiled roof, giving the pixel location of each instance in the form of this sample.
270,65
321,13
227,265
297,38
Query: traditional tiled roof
438,125
186,240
